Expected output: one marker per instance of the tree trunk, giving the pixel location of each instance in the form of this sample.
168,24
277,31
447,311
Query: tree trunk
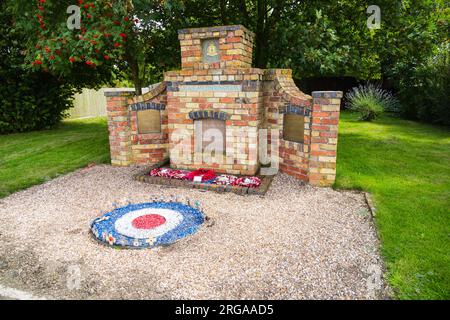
223,11
138,87
261,39
244,12
135,76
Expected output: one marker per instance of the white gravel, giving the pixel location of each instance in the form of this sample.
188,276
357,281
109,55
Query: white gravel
297,242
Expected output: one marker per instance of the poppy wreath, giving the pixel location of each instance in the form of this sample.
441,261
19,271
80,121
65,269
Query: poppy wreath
250,182
225,180
207,175
169,173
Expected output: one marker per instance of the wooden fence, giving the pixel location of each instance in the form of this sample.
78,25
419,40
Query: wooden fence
91,103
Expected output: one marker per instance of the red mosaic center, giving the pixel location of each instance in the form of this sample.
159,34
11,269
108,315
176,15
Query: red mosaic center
148,221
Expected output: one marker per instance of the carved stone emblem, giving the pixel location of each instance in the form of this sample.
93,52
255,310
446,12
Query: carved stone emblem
211,51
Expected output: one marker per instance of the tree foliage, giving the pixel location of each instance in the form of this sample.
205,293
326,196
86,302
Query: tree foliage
315,38
85,57
29,99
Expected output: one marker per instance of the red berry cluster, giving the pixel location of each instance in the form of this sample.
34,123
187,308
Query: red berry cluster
105,35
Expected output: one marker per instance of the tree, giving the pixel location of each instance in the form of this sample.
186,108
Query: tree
87,56
29,99
312,37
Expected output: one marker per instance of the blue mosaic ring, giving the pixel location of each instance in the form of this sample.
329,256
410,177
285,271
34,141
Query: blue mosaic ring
147,225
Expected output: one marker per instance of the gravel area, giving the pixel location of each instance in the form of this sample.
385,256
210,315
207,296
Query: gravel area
296,242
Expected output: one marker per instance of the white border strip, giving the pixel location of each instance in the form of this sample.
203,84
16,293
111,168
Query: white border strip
15,294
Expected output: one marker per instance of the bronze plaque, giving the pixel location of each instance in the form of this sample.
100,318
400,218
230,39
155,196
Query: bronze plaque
294,127
210,51
217,137
149,121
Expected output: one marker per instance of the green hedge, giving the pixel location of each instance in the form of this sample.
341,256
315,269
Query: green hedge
31,102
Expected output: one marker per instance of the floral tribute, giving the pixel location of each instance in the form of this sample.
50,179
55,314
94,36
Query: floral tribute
99,40
147,225
207,176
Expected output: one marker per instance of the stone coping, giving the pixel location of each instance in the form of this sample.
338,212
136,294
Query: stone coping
269,74
327,94
147,106
213,72
155,90
293,109
215,29
124,93
144,177
209,114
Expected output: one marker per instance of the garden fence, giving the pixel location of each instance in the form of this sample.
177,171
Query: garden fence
92,103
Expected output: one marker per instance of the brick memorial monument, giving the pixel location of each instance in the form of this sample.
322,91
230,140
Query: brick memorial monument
252,119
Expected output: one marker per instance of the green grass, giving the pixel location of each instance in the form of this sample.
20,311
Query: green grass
31,158
405,165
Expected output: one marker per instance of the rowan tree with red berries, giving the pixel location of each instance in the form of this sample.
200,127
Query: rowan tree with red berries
88,56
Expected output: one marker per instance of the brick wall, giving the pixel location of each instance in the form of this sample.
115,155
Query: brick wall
149,148
220,83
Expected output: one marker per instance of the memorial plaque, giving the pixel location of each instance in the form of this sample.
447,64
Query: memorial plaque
293,127
149,121
210,51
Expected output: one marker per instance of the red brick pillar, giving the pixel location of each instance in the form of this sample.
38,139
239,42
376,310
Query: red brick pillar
119,127
324,134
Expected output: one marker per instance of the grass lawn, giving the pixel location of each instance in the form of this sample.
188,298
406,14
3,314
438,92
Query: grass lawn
31,158
405,165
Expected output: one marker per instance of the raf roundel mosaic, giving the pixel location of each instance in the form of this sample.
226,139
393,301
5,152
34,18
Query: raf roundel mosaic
147,225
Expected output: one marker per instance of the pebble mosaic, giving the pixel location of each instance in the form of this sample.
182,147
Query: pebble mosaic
147,225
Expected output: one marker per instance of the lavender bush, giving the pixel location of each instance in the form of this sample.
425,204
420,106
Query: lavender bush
370,101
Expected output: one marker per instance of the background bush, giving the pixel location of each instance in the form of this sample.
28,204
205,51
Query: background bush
31,101
370,101
425,89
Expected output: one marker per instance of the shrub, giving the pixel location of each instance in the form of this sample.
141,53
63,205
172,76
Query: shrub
424,89
29,100
371,101
32,101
